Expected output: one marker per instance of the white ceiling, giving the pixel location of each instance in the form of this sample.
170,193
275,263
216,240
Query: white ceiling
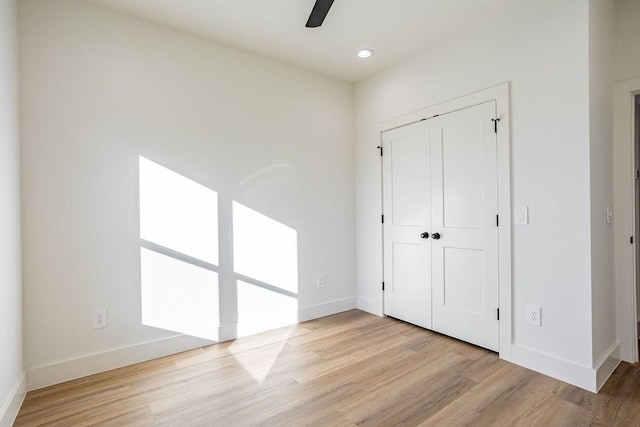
394,29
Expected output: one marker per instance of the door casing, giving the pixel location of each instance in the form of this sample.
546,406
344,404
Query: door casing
624,219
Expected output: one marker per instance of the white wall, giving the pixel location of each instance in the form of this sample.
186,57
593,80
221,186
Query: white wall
627,59
601,70
10,270
100,88
542,48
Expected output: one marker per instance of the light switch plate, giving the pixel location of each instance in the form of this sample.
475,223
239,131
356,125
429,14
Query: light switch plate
521,215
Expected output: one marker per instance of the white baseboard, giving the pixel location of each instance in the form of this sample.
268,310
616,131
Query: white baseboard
369,305
326,309
227,332
591,379
565,370
55,373
11,406
607,365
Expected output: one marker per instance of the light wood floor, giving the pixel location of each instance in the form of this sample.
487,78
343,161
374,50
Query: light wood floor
347,369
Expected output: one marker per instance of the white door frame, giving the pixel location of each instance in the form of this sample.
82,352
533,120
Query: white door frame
624,224
500,94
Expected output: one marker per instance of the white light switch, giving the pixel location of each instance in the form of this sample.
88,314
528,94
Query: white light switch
521,215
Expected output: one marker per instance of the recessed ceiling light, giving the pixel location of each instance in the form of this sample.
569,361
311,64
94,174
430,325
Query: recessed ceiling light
365,53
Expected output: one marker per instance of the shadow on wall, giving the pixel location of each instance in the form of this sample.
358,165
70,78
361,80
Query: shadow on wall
179,259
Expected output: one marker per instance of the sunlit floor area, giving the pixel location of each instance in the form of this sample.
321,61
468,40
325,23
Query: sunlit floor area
348,369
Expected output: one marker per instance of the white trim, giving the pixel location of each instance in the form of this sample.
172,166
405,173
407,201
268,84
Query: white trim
609,363
565,370
227,332
283,319
13,402
66,370
55,373
370,306
326,309
500,94
583,376
624,223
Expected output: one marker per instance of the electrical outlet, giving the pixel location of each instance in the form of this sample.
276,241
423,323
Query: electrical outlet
320,281
99,318
533,315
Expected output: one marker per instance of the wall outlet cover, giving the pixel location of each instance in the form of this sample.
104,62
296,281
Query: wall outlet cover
533,315
99,318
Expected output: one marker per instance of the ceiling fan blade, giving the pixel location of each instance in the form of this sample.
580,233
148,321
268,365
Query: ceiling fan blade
319,12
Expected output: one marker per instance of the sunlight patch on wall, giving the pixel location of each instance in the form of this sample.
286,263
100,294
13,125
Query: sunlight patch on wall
264,249
179,296
261,309
179,253
178,213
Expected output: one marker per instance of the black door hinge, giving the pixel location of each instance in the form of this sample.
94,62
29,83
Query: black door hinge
498,313
382,216
497,220
383,286
495,125
637,173
380,148
631,240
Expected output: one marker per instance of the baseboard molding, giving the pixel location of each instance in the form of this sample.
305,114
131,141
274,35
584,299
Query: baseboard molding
565,370
11,406
607,365
55,373
227,332
369,305
326,309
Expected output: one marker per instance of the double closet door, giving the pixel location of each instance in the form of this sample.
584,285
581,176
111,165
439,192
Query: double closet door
441,226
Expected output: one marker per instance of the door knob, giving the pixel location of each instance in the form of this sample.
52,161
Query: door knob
435,236
424,235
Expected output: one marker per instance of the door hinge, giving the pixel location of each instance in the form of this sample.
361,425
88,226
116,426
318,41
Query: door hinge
631,240
382,217
637,173
498,310
497,220
379,147
383,286
495,125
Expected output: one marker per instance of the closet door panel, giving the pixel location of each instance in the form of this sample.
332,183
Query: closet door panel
407,214
464,205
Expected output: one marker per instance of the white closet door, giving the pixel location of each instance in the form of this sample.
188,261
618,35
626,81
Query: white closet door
464,205
407,214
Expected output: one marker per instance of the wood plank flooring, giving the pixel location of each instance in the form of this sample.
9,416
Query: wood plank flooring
343,370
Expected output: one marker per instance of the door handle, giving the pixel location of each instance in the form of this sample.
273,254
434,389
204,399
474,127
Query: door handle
435,236
424,235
